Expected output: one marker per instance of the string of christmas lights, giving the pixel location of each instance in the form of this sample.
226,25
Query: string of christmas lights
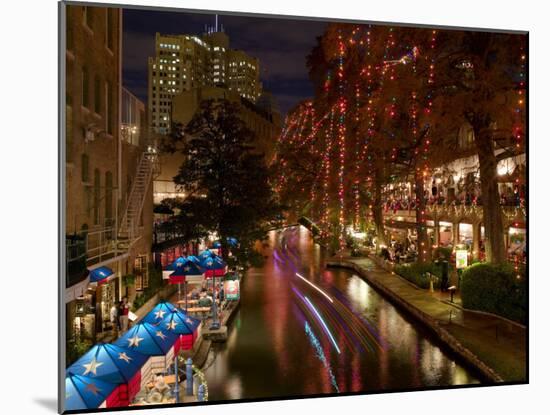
430,55
341,141
329,142
362,147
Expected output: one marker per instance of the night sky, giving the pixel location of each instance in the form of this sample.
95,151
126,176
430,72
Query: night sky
281,45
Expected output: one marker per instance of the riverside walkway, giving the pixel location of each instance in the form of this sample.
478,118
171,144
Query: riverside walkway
495,346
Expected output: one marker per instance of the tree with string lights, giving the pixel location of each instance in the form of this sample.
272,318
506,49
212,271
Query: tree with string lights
388,105
481,78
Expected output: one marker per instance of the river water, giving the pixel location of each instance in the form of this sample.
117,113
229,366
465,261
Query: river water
302,329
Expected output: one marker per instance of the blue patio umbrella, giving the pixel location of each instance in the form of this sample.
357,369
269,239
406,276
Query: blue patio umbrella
83,392
108,363
147,339
100,275
159,312
214,265
174,264
172,267
207,253
194,259
232,242
189,268
185,269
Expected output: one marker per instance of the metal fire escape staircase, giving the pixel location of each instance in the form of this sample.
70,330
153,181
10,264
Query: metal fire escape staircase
129,229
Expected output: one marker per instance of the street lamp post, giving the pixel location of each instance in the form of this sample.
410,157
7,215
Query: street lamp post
201,393
189,377
185,293
215,323
177,384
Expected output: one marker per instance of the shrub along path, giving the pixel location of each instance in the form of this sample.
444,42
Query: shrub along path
496,342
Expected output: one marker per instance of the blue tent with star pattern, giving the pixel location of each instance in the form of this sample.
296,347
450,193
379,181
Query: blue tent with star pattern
184,270
159,312
147,339
82,392
173,265
109,363
207,253
186,327
112,364
193,259
214,266
166,271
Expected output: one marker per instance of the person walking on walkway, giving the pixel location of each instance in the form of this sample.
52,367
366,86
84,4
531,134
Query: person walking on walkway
124,310
113,317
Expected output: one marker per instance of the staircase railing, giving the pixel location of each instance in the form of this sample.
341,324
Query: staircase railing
129,226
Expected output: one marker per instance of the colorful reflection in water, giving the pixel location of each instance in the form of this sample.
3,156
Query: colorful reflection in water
321,355
354,339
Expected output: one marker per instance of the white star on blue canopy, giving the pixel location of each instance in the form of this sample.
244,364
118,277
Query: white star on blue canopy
82,392
103,361
180,323
159,312
151,344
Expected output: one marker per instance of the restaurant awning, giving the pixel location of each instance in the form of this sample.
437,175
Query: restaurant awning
101,275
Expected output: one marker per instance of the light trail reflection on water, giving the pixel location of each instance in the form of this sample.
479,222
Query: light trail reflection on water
279,347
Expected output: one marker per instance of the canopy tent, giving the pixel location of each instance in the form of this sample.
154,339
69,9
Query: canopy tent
147,339
172,267
207,253
101,275
194,259
112,364
185,269
83,392
186,327
214,266
154,342
158,313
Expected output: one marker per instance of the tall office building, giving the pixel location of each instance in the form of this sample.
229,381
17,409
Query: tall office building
184,62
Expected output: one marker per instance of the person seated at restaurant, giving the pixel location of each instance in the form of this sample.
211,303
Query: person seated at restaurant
399,251
385,253
205,301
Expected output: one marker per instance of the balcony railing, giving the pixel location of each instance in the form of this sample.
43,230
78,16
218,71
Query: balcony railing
101,245
472,212
100,242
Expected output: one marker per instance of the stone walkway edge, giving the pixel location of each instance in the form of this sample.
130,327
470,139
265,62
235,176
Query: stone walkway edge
431,323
